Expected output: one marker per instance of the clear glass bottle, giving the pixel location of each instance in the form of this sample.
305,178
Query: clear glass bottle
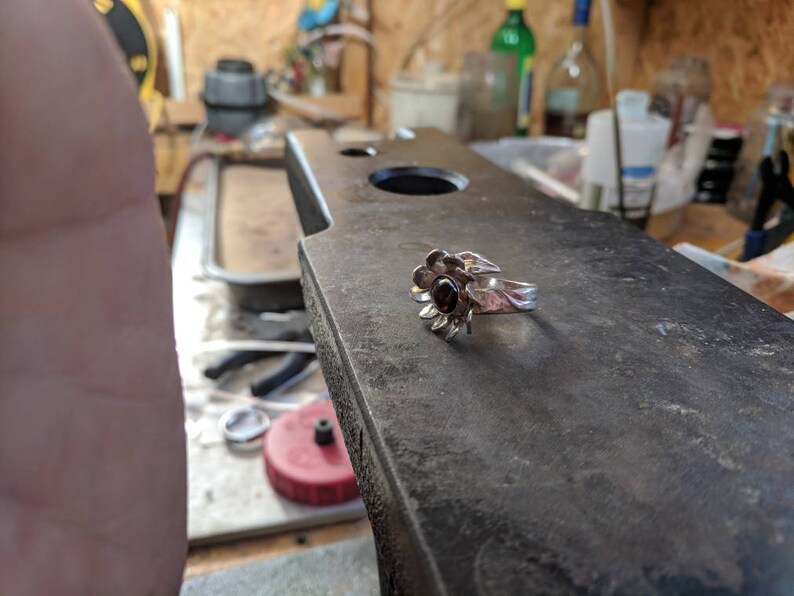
573,85
679,90
514,37
488,96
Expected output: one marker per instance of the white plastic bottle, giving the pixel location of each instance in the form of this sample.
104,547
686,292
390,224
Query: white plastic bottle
642,142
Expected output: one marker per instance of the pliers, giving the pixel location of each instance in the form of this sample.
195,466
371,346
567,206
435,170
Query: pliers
775,184
292,364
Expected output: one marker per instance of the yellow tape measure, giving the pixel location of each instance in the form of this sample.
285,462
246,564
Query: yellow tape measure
134,34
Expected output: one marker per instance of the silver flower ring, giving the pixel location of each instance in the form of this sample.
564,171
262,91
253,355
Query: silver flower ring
454,287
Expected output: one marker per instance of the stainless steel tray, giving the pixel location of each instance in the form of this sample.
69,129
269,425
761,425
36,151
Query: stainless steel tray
275,290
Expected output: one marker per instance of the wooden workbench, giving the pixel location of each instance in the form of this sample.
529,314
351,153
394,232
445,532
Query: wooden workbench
172,137
205,559
707,226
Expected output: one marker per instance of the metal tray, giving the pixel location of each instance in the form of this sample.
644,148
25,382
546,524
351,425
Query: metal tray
275,290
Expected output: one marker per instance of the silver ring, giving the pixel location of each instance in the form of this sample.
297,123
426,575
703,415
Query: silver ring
453,288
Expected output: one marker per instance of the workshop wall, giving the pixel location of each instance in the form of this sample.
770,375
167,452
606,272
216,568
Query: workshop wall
470,27
748,44
256,30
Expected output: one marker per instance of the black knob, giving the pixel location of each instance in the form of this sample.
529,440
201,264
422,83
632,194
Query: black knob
323,431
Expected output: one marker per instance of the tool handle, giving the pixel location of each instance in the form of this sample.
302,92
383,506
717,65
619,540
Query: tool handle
233,361
291,365
766,198
754,241
239,358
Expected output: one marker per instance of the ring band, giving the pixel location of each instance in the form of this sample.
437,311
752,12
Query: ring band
454,287
503,296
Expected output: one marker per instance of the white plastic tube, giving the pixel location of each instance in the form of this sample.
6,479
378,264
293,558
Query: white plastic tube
173,55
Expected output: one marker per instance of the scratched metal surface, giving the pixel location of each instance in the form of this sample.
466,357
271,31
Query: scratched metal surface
635,435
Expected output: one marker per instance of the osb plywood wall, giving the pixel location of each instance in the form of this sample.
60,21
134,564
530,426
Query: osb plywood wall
749,44
259,29
470,26
256,30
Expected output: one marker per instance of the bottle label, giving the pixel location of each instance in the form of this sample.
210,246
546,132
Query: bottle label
637,189
525,94
563,100
633,198
581,13
639,173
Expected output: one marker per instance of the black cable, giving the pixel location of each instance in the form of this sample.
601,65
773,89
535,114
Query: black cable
176,205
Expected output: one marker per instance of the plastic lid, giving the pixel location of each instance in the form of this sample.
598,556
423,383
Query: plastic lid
632,103
516,4
303,468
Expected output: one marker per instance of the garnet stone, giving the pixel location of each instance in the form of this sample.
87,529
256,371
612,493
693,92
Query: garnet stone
444,294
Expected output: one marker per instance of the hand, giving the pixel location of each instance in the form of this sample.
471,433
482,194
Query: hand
92,454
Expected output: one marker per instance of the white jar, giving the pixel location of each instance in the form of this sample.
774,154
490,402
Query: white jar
642,142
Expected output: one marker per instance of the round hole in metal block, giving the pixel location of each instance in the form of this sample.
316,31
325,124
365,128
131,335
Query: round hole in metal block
359,152
418,181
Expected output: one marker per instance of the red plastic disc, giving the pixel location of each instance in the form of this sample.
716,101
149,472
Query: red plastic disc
301,469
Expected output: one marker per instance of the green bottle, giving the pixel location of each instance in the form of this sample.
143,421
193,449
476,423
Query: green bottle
514,37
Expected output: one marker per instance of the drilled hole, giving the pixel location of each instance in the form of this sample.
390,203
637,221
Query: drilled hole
418,181
359,152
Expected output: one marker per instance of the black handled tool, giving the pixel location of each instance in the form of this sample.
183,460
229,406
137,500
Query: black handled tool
238,359
775,184
291,365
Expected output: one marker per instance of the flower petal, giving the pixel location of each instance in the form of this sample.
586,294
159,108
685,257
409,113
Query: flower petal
440,323
435,260
474,293
454,262
454,329
478,264
423,277
419,295
428,312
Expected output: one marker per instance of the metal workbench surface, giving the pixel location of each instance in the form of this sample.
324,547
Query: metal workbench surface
633,435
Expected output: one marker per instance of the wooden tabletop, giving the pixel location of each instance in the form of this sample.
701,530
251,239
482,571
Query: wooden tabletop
707,226
206,559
